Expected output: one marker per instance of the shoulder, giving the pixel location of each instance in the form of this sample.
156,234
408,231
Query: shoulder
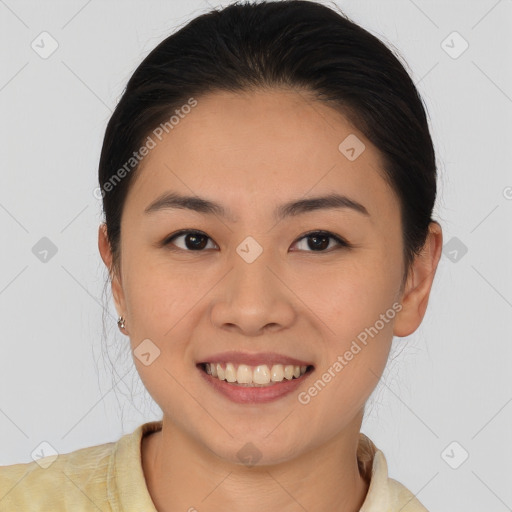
59,482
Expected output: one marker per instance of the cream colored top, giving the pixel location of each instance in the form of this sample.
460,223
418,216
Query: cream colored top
109,478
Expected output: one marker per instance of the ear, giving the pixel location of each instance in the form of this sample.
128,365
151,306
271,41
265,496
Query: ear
419,283
106,256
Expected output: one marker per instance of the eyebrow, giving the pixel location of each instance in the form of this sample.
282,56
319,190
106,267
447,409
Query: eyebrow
173,200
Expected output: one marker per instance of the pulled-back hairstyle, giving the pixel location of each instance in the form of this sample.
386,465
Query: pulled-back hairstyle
295,44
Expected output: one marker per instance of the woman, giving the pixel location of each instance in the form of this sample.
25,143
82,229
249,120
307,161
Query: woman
268,179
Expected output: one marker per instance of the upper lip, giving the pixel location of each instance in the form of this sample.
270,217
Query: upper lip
254,359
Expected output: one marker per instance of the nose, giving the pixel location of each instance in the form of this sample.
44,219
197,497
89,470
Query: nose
254,298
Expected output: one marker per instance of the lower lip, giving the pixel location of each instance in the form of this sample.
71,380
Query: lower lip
252,395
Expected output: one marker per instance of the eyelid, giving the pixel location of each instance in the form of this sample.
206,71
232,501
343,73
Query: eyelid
329,234
167,240
339,240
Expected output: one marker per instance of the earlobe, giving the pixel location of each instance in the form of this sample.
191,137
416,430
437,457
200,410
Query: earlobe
419,283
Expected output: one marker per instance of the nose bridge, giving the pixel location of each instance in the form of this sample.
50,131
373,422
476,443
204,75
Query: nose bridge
251,274
253,297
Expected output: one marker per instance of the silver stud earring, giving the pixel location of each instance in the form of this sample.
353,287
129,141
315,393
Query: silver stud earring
121,323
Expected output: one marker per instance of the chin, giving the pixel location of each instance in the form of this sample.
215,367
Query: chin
256,450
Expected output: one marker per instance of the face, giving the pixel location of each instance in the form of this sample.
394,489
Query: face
250,287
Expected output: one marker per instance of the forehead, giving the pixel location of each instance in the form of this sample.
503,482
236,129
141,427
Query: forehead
263,148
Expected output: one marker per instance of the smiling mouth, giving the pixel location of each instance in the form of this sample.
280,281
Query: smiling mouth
254,376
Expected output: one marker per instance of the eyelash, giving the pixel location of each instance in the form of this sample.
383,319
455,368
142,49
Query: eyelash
340,241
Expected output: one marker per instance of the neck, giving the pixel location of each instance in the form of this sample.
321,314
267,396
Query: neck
182,475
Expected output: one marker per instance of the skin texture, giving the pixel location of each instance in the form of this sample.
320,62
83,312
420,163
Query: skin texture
252,152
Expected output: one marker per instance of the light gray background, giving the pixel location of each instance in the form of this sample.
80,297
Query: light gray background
449,381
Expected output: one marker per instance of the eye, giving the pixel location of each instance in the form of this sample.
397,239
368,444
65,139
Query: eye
318,241
194,240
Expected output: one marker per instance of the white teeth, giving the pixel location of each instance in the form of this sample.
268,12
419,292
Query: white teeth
288,372
244,374
230,372
277,373
259,375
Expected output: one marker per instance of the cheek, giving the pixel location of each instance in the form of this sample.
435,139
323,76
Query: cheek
354,362
156,297
162,316
163,307
352,299
359,333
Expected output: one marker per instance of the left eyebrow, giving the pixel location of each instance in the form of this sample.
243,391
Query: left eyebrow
171,200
